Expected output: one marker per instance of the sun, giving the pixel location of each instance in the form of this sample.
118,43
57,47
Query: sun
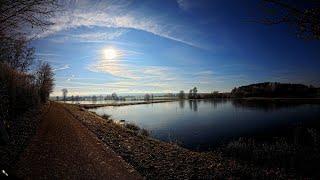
110,53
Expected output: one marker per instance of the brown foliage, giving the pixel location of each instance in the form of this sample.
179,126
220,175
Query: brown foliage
45,81
19,88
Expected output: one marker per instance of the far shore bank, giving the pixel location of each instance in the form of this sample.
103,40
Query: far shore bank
88,106
262,99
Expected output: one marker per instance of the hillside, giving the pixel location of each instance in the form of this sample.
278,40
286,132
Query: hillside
276,90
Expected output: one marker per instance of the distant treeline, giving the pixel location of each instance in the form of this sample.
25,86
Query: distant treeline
266,89
276,90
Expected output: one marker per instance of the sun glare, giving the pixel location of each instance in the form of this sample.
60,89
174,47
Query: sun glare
110,53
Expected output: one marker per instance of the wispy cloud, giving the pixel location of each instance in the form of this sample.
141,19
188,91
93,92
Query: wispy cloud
120,67
99,36
109,14
206,72
183,4
46,54
66,66
151,78
95,37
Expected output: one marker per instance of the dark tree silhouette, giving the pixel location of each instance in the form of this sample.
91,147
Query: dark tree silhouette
20,89
195,92
114,96
304,15
45,81
190,95
181,95
64,94
15,16
16,53
94,98
274,89
147,97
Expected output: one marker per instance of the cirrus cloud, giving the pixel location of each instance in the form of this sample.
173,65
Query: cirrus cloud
108,14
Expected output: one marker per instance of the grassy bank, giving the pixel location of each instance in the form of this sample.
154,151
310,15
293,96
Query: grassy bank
296,149
155,159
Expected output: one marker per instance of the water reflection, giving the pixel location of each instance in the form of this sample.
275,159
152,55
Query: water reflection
201,124
215,102
181,104
266,105
193,105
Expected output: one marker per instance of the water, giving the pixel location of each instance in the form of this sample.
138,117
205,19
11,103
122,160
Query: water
201,125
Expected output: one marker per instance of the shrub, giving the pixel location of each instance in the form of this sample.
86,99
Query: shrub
132,127
144,132
106,116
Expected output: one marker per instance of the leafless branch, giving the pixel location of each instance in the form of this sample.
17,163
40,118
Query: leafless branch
305,18
21,15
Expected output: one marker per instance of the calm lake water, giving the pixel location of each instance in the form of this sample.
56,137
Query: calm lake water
202,124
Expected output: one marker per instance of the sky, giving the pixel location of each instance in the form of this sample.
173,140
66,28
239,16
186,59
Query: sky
160,46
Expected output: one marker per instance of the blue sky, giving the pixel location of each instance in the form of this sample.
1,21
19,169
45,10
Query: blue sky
138,46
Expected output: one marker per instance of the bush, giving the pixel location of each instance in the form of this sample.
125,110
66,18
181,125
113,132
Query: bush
132,127
106,116
20,88
144,132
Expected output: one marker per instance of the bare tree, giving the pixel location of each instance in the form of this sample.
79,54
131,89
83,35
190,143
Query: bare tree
45,81
16,53
94,98
16,19
21,89
114,96
305,15
181,95
147,97
64,94
190,95
195,91
16,16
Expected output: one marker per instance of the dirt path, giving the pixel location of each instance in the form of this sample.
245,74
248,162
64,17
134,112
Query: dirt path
64,148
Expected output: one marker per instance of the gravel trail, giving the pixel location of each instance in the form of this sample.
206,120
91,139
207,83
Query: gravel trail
64,148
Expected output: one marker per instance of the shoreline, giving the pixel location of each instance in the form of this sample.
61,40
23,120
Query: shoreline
155,159
265,99
89,106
